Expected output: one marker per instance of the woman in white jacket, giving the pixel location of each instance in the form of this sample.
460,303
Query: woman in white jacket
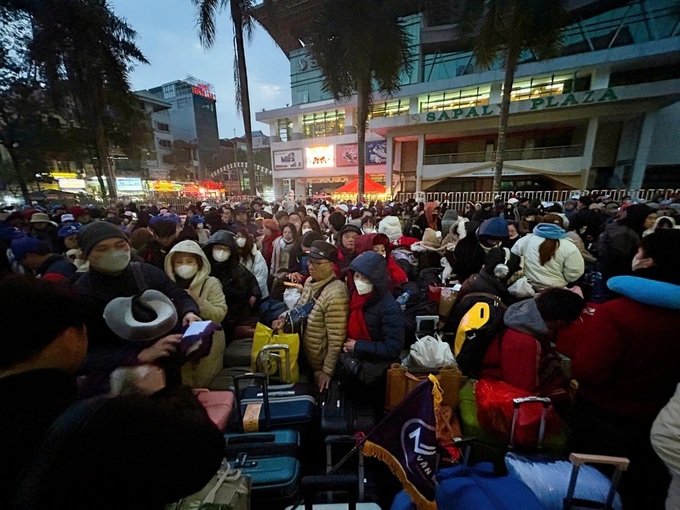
551,259
187,265
666,444
251,258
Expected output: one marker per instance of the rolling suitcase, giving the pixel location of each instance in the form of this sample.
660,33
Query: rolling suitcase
218,404
265,407
342,414
555,481
270,460
313,485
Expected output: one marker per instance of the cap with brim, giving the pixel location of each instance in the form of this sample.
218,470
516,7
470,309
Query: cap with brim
321,250
141,318
67,217
70,230
349,227
40,218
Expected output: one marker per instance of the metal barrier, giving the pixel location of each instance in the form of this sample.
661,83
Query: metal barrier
460,199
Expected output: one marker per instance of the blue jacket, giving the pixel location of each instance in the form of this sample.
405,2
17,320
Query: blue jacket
383,316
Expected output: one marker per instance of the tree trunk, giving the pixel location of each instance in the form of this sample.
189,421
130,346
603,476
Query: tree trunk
510,65
237,16
21,178
103,157
363,101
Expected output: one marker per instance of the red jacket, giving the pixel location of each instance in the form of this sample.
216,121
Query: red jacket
629,360
515,359
268,247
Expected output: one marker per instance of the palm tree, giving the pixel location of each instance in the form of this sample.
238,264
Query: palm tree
84,54
359,45
506,29
242,20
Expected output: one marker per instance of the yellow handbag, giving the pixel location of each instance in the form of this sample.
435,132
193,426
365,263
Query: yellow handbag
280,360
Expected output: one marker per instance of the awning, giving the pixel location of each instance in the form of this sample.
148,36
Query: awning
370,186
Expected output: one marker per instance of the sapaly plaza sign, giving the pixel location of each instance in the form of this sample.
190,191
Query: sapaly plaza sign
538,103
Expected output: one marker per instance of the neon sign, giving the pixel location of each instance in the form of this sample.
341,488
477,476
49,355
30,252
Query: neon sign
204,90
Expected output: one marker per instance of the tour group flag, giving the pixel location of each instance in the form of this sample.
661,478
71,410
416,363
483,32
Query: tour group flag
406,440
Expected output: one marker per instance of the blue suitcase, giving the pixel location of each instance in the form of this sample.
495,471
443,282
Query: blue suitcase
265,407
270,460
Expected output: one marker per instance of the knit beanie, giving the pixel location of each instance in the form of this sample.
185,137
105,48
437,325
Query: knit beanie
494,228
96,232
337,220
25,245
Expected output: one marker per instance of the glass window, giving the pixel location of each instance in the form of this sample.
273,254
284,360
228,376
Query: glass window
460,98
165,144
169,91
389,109
162,126
321,124
541,86
182,103
285,129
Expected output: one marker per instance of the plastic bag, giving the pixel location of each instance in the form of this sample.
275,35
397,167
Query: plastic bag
291,296
265,335
549,480
495,409
431,352
522,289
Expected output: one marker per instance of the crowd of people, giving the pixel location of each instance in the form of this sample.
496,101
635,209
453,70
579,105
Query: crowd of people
591,279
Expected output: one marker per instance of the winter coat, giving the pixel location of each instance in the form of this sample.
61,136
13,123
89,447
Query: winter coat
383,316
522,355
258,267
468,257
105,350
564,267
56,269
666,443
154,254
282,254
207,292
396,276
135,452
238,284
268,248
326,328
629,360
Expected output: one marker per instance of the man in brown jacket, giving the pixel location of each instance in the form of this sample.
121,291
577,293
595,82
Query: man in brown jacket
326,328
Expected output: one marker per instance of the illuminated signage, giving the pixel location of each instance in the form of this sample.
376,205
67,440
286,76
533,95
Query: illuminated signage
347,155
128,184
320,157
165,186
376,153
204,90
64,175
72,183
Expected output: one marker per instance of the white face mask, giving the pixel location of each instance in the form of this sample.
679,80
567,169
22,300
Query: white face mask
368,230
186,271
305,230
362,287
240,242
220,254
113,261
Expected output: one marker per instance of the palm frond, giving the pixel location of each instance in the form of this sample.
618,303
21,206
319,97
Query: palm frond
237,83
206,14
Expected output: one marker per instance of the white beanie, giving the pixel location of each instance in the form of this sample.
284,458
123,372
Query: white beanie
391,227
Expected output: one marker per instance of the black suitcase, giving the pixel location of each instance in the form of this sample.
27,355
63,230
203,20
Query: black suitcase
344,413
264,407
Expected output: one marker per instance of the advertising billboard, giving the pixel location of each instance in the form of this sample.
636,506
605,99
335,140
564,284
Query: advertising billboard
320,157
376,153
129,184
287,160
347,155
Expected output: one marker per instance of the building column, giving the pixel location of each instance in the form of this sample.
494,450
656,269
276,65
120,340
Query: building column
419,163
278,187
643,150
300,189
413,105
349,120
297,128
389,164
588,150
600,78
274,131
496,92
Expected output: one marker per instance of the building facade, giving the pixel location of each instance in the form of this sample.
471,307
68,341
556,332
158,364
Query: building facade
604,113
193,124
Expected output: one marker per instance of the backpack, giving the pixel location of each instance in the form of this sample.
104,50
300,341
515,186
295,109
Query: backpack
480,324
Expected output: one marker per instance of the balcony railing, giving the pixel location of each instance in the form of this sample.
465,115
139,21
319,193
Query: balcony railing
563,151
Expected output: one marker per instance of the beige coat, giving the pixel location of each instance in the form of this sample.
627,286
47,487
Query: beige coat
207,292
326,328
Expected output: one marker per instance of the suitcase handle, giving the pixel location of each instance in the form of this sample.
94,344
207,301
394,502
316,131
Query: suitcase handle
579,459
517,403
262,380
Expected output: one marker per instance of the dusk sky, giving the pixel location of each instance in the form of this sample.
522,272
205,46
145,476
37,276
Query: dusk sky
167,36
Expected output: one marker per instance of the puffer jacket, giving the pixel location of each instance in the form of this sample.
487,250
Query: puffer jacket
326,328
258,267
207,292
566,266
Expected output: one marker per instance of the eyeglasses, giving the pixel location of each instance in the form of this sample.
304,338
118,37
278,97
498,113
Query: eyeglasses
313,262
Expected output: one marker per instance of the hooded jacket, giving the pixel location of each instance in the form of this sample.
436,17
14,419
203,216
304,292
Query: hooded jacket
238,284
383,316
618,244
395,274
564,267
258,266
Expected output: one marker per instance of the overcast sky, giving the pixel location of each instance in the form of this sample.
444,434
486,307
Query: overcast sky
168,38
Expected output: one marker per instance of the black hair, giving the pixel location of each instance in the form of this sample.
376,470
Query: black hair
337,220
308,238
367,219
662,247
20,297
313,223
163,228
355,214
281,214
559,304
